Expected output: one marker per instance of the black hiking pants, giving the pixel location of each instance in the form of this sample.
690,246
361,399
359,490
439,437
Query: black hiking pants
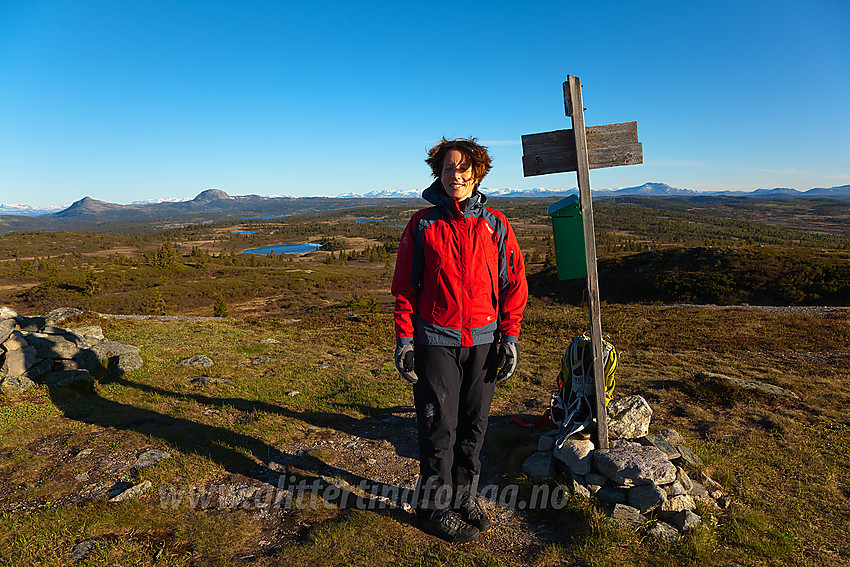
452,399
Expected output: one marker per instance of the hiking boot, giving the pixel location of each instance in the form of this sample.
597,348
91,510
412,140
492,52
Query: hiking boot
450,527
472,512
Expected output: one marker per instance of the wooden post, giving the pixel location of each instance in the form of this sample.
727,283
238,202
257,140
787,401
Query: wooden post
574,108
582,149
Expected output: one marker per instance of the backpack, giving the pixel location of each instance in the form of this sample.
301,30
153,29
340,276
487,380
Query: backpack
573,407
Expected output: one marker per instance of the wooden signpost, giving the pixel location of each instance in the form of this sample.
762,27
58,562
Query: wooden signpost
579,150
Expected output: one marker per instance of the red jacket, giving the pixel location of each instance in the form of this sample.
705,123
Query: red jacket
460,277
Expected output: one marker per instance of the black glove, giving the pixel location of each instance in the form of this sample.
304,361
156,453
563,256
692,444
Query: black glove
404,363
506,362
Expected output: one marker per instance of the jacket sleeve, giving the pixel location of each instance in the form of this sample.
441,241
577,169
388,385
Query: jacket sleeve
513,288
407,280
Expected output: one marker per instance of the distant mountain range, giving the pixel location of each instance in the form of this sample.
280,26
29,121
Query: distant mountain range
647,189
214,204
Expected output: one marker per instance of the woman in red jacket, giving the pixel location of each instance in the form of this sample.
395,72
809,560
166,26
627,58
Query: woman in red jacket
460,292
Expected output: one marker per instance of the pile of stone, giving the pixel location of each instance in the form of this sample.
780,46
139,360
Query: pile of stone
35,350
651,481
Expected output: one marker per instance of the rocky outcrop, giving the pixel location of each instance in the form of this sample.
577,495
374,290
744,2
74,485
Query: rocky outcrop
35,350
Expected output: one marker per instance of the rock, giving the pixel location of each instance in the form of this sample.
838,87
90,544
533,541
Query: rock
91,335
661,443
545,443
18,361
83,549
7,327
611,494
151,457
262,360
578,488
52,346
628,417
15,384
671,436
575,453
686,520
645,497
8,313
625,514
62,313
688,458
622,444
663,531
79,379
709,483
14,341
635,465
108,349
40,369
206,381
674,489
683,478
749,385
197,360
538,466
697,490
126,362
679,503
31,324
293,393
595,480
132,492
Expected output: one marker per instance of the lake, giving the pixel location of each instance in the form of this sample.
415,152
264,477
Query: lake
299,248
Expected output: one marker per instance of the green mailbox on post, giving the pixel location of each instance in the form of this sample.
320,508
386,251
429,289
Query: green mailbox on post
568,227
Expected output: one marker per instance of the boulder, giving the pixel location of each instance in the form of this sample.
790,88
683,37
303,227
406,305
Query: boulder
678,503
611,494
629,417
545,443
671,436
151,457
658,441
14,341
645,497
625,514
80,379
107,349
7,313
685,520
31,324
197,360
17,362
52,346
538,466
635,465
663,531
575,453
688,458
61,313
7,326
132,492
15,384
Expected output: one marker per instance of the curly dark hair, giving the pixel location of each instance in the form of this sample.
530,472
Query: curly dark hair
481,162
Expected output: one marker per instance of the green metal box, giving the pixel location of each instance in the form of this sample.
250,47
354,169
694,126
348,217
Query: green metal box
568,227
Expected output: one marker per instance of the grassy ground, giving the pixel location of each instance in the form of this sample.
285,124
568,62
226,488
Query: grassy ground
785,462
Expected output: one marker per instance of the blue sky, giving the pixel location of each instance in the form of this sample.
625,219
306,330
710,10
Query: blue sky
125,100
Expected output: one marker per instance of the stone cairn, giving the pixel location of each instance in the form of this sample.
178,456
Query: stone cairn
34,350
643,480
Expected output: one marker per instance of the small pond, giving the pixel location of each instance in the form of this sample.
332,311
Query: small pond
300,248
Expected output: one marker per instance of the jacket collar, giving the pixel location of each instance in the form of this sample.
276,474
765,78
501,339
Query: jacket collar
436,195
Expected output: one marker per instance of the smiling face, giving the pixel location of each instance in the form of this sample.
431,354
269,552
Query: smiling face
458,178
